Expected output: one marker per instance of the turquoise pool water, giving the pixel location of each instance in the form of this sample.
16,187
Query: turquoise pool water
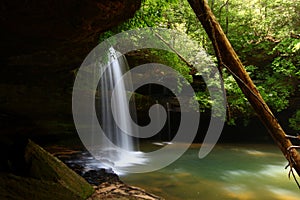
247,171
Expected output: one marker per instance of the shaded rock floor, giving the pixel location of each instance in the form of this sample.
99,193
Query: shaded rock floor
121,191
106,183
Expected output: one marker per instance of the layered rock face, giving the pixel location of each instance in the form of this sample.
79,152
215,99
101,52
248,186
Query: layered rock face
42,42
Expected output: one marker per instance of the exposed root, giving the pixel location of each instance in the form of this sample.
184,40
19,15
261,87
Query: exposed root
291,164
293,136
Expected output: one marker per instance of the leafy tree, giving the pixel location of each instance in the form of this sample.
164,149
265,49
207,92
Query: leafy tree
260,32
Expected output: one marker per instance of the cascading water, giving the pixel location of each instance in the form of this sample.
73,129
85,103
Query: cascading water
110,77
117,66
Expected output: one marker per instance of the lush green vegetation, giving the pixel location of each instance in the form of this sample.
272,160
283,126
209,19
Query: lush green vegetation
264,33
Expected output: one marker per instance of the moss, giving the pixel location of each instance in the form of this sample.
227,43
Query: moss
34,173
44,166
20,188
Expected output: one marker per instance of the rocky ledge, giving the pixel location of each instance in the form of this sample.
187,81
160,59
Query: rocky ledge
106,183
119,190
33,173
42,45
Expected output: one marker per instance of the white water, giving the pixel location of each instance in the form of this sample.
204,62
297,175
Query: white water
110,77
114,156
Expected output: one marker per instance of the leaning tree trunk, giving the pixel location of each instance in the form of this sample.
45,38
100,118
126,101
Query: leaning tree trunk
228,58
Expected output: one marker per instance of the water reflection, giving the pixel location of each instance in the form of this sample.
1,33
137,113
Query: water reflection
228,172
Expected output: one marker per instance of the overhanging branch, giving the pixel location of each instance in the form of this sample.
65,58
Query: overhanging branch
228,58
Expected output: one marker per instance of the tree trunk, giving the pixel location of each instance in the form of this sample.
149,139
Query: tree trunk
228,58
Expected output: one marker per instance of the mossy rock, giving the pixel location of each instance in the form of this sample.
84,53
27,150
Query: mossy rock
23,188
43,177
44,166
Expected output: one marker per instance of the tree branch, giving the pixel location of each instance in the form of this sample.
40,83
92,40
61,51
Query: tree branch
228,58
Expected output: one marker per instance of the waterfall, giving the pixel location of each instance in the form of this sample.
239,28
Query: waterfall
117,66
108,80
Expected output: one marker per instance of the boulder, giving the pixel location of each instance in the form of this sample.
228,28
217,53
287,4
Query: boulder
41,176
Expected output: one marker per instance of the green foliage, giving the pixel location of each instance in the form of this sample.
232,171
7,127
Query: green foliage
171,14
204,100
169,59
238,103
295,121
286,66
259,31
288,60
